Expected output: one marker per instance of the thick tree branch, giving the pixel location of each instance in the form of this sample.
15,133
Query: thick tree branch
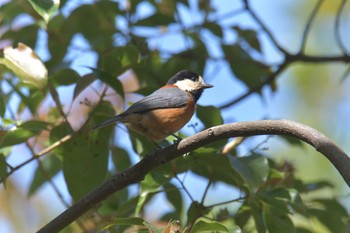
137,172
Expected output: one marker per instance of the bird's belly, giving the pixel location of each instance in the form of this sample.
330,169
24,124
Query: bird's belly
159,123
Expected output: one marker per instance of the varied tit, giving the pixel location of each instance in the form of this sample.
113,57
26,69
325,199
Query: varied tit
166,110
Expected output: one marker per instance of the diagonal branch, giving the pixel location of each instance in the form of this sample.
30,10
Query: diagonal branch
137,172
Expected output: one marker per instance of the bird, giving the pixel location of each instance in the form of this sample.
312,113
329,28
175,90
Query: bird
166,110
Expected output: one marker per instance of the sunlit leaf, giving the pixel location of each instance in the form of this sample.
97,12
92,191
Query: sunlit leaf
132,221
45,8
204,225
209,115
151,184
337,221
23,132
26,64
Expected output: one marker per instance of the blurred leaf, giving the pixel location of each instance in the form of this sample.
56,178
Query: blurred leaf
276,223
209,115
174,196
45,8
51,165
214,28
292,140
195,211
118,60
331,214
204,225
26,35
26,65
140,144
250,36
123,221
3,168
120,158
23,132
110,81
2,107
154,20
83,83
244,67
151,184
209,164
253,169
65,77
85,156
96,22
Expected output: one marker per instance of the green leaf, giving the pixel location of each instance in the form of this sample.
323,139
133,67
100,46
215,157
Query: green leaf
85,156
83,83
207,163
250,36
331,214
150,185
2,107
175,198
195,211
209,115
51,165
155,20
120,158
244,67
110,80
204,225
45,8
214,28
65,77
278,223
3,168
253,169
118,60
124,221
23,132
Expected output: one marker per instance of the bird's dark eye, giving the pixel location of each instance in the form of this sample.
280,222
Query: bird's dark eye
193,78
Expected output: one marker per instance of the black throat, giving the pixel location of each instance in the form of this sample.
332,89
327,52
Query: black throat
196,94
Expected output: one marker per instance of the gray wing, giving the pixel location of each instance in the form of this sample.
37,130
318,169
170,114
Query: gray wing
171,97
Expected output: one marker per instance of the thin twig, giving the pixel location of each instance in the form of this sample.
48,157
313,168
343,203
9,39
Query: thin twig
225,202
337,27
205,192
184,188
264,27
308,26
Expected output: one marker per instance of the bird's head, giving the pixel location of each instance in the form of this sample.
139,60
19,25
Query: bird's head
189,81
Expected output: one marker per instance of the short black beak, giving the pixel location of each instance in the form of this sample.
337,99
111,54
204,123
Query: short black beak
205,85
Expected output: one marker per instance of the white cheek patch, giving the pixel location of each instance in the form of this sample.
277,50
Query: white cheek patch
189,85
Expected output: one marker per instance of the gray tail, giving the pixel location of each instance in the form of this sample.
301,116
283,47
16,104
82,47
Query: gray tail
108,122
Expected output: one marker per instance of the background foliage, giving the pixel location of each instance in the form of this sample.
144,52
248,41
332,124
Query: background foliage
293,64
